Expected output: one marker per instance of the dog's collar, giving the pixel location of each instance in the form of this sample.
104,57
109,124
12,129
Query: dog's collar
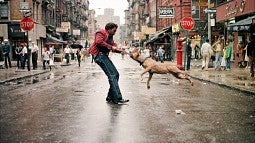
142,61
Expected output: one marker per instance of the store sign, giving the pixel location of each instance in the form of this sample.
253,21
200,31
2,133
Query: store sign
234,8
61,30
166,13
76,32
66,25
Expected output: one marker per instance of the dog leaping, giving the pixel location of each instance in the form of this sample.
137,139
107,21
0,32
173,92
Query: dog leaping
151,66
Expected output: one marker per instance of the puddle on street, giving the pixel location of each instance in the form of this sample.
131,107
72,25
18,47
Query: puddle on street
32,79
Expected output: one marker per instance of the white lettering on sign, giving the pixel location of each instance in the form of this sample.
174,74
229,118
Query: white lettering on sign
26,24
188,23
166,13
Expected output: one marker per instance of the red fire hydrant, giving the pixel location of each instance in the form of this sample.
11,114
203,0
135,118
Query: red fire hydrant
179,53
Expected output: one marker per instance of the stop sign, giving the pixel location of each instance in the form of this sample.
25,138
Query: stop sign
27,24
187,23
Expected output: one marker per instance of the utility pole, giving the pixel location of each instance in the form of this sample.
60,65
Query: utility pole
209,22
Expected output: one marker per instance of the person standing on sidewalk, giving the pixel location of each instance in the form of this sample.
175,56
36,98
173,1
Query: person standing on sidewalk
205,51
160,54
239,54
18,52
218,54
229,50
223,60
100,49
189,51
6,53
251,54
24,56
34,49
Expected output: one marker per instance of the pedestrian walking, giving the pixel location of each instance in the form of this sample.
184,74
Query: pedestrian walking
229,50
206,52
18,52
67,52
189,52
52,52
251,54
6,48
46,57
78,55
34,49
160,54
100,49
83,54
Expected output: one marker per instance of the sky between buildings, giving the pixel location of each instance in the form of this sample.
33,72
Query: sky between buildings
118,5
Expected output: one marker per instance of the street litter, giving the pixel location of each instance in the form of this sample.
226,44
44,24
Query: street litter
179,112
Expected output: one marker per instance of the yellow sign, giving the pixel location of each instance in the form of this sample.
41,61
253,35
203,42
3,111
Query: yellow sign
176,28
148,30
205,4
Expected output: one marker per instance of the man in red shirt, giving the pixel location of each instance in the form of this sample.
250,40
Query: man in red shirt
103,44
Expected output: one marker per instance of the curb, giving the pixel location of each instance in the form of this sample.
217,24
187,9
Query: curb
252,93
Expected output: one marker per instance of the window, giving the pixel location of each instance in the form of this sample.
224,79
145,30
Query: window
195,10
4,11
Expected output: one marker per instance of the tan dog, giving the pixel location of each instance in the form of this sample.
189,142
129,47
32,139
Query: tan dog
151,66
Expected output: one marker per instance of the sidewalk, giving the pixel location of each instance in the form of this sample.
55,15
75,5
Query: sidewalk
12,74
236,78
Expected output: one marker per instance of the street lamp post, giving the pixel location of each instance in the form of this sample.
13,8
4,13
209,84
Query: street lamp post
209,21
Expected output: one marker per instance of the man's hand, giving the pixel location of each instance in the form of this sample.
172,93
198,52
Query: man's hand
119,50
116,49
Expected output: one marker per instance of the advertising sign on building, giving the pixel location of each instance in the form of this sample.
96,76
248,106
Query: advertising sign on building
76,32
65,25
61,30
166,13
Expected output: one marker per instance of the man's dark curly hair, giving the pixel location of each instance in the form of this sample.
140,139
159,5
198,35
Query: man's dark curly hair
110,25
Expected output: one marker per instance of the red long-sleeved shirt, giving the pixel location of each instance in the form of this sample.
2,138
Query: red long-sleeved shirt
100,41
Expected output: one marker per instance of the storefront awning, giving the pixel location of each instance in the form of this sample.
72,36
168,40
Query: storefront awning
15,31
242,25
53,40
161,34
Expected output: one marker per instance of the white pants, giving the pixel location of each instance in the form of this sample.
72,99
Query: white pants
205,62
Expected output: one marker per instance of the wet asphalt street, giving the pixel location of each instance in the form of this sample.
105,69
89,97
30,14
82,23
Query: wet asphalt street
68,105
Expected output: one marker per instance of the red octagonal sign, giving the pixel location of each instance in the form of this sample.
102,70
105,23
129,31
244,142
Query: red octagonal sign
27,24
187,23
